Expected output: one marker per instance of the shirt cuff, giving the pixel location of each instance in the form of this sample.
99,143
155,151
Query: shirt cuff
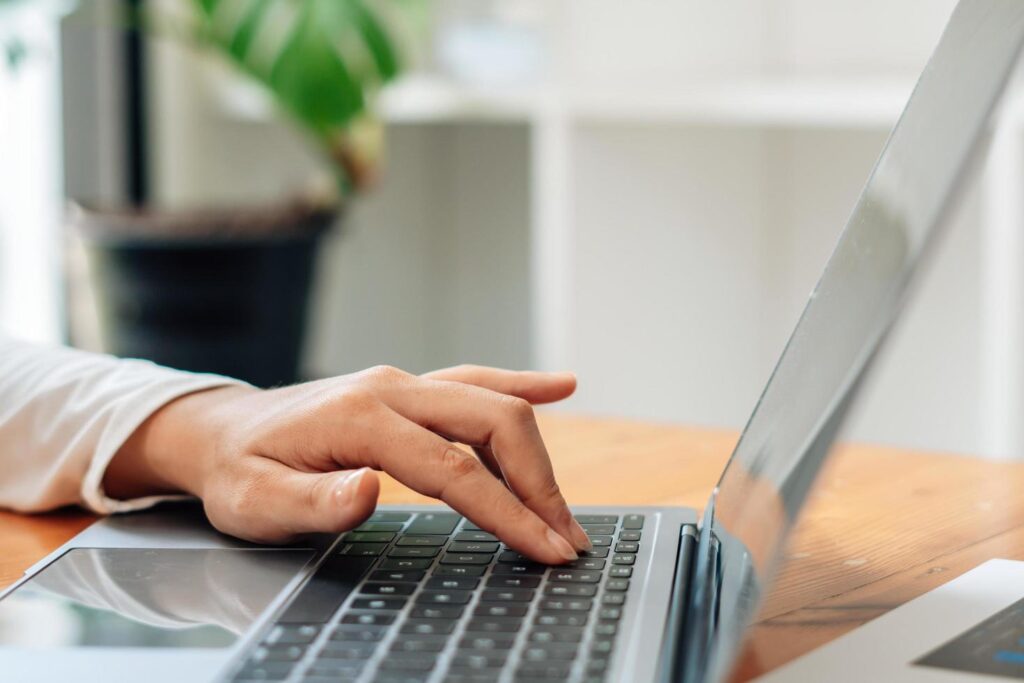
124,425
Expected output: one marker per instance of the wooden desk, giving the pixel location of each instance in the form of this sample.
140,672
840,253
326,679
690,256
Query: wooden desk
884,525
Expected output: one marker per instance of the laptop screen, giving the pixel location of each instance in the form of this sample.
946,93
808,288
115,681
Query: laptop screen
859,295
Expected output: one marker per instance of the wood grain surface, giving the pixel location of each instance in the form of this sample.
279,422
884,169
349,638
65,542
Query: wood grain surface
883,526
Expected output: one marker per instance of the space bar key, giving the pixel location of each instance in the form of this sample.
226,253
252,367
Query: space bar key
323,594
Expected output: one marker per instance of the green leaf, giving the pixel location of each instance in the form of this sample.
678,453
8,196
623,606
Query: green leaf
310,77
247,28
376,40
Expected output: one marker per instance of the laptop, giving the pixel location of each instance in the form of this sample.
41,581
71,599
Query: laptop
421,594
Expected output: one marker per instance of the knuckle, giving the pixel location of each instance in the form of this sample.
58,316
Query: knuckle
519,409
385,374
459,464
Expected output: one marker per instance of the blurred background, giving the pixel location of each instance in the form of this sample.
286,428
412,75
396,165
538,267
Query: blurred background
643,193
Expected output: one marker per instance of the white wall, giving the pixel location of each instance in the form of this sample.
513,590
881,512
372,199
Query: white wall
682,247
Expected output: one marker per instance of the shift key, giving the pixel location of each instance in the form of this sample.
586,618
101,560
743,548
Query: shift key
441,523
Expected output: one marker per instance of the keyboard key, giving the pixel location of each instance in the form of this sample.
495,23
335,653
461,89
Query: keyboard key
621,572
324,593
568,604
617,585
279,653
500,609
610,613
624,559
387,588
462,583
627,547
613,599
584,563
560,619
600,541
440,523
418,644
507,595
465,558
479,660
575,576
597,519
408,576
493,625
413,551
379,526
548,652
421,540
359,633
531,568
601,645
406,563
369,536
605,629
335,669
629,536
512,556
384,516
369,618
444,597
576,590
388,604
633,522
594,552
428,627
599,529
556,634
348,650
475,536
490,641
293,635
459,570
420,662
473,547
436,611
534,670
362,549
512,581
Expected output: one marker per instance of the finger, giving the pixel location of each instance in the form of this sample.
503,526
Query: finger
535,387
429,464
480,417
281,503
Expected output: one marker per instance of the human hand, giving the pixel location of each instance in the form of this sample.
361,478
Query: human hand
273,464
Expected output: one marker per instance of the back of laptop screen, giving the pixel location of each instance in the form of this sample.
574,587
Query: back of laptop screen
859,295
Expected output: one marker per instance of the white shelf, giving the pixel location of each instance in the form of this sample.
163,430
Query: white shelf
778,103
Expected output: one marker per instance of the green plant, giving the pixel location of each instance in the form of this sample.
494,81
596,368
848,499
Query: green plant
320,60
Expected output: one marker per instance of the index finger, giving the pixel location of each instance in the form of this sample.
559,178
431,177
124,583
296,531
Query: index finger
432,466
480,417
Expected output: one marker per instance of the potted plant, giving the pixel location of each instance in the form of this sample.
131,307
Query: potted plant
226,289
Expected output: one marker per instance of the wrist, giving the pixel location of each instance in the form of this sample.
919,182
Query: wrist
170,452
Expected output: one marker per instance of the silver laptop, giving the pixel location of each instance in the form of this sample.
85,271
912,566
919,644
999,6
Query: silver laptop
420,594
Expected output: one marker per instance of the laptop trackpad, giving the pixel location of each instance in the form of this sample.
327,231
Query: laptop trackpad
144,600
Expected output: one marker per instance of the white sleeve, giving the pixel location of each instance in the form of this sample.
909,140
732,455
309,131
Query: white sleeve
65,413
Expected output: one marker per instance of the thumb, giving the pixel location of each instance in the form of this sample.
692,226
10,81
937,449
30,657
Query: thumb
287,503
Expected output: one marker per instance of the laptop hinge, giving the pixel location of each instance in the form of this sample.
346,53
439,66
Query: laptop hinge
702,607
675,623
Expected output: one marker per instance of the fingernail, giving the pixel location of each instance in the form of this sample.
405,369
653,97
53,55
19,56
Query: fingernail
561,546
349,485
579,536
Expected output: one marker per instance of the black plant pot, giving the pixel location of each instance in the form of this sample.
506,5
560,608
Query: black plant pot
222,292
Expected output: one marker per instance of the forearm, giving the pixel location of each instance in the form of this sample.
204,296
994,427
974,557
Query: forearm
63,415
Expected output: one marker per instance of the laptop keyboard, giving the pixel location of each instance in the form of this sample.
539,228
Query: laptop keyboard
416,597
